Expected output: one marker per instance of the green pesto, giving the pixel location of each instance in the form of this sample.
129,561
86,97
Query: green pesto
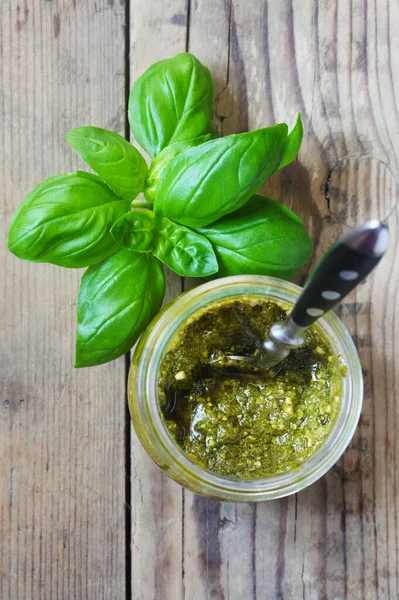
245,425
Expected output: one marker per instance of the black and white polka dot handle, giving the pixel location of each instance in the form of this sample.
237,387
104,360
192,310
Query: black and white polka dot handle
346,264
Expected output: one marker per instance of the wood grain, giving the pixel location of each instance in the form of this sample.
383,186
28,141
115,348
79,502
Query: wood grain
218,536
62,453
158,30
62,479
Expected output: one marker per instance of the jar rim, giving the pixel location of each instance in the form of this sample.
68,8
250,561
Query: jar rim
174,460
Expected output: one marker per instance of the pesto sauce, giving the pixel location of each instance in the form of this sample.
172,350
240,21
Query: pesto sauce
239,424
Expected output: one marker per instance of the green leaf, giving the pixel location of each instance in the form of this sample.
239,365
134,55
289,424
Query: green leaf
135,230
185,252
117,299
164,158
119,164
207,182
171,102
263,238
66,220
294,141
90,176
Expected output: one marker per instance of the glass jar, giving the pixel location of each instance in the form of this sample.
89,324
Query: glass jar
152,431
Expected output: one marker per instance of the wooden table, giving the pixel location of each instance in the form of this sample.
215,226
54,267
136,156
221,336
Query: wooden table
84,514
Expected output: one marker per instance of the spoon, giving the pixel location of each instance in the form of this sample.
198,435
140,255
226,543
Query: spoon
341,269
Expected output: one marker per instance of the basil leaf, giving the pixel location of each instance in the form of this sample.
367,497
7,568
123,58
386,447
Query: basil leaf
117,299
66,220
294,140
171,102
135,230
264,238
90,176
164,158
207,182
185,252
119,164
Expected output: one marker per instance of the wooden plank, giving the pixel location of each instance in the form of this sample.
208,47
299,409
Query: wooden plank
218,536
158,30
62,482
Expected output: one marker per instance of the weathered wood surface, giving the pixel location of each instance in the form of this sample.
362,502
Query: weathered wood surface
62,521
157,31
62,455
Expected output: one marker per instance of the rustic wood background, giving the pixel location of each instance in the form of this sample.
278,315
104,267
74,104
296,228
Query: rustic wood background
84,514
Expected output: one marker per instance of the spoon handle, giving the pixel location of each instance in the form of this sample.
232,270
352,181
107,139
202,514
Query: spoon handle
344,266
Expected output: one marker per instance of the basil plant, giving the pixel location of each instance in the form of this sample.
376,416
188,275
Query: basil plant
200,215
